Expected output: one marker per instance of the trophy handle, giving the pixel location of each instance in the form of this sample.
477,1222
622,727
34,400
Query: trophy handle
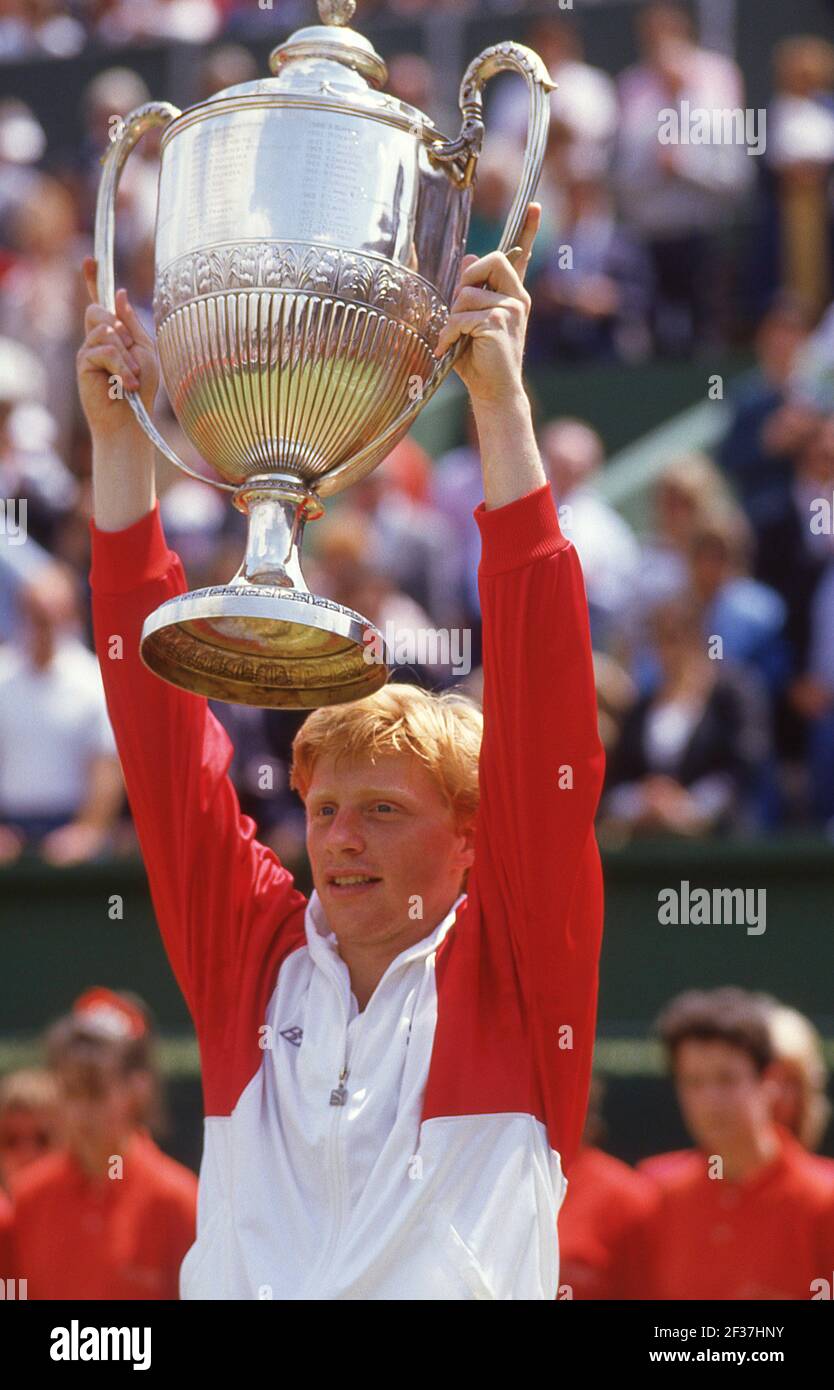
143,119
461,155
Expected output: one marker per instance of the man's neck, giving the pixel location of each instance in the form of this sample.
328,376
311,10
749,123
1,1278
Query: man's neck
94,1160
367,961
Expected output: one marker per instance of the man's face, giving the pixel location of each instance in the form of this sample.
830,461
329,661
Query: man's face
386,824
96,1105
722,1096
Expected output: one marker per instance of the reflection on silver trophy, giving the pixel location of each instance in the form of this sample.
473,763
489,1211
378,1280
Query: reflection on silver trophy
309,235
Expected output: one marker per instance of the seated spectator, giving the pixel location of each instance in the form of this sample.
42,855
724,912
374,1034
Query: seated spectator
766,426
747,1214
689,491
689,752
793,555
60,780
409,538
29,1121
747,616
108,1215
593,292
603,1220
573,456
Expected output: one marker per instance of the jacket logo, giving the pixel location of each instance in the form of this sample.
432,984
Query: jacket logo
293,1035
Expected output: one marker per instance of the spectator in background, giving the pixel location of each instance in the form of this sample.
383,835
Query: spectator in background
56,32
688,491
108,1215
60,781
41,291
794,555
603,1220
584,110
797,237
812,695
748,617
108,98
409,538
799,1076
678,196
767,426
689,751
797,1079
573,455
411,79
183,21
747,1213
456,490
592,295
22,146
230,65
349,570
17,35
29,1120
32,471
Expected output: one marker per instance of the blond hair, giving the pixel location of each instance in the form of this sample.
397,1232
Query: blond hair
31,1088
798,1045
443,731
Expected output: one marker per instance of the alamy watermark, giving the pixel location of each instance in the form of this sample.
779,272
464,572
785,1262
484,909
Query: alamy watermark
431,647
13,520
685,906
702,125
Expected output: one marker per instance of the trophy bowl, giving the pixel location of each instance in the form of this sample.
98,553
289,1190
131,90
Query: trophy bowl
309,235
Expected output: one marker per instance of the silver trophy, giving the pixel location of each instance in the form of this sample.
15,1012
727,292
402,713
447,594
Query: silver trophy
309,235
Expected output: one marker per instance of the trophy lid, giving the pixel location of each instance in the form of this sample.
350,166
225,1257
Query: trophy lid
330,61
334,40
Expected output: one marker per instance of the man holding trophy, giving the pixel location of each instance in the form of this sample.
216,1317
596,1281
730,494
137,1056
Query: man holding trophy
396,1072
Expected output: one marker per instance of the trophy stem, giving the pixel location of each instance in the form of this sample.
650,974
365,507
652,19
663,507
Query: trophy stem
264,639
278,508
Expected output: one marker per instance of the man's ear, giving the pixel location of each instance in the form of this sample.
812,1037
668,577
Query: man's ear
466,836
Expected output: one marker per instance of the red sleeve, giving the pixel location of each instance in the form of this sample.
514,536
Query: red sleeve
227,909
537,873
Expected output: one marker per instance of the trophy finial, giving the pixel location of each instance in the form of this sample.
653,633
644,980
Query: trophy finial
336,11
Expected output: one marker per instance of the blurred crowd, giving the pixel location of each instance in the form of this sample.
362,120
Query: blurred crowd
91,1208
713,627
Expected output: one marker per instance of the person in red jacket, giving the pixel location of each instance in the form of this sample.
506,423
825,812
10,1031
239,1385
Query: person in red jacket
107,1215
603,1221
395,1072
797,1079
748,1213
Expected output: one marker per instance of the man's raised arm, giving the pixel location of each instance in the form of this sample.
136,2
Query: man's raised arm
220,896
536,877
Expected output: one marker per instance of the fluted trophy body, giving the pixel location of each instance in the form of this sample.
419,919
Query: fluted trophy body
309,236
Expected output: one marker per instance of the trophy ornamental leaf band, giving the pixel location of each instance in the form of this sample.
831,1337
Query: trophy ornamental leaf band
296,301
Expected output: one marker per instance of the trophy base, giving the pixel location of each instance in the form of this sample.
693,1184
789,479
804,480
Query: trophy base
263,645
